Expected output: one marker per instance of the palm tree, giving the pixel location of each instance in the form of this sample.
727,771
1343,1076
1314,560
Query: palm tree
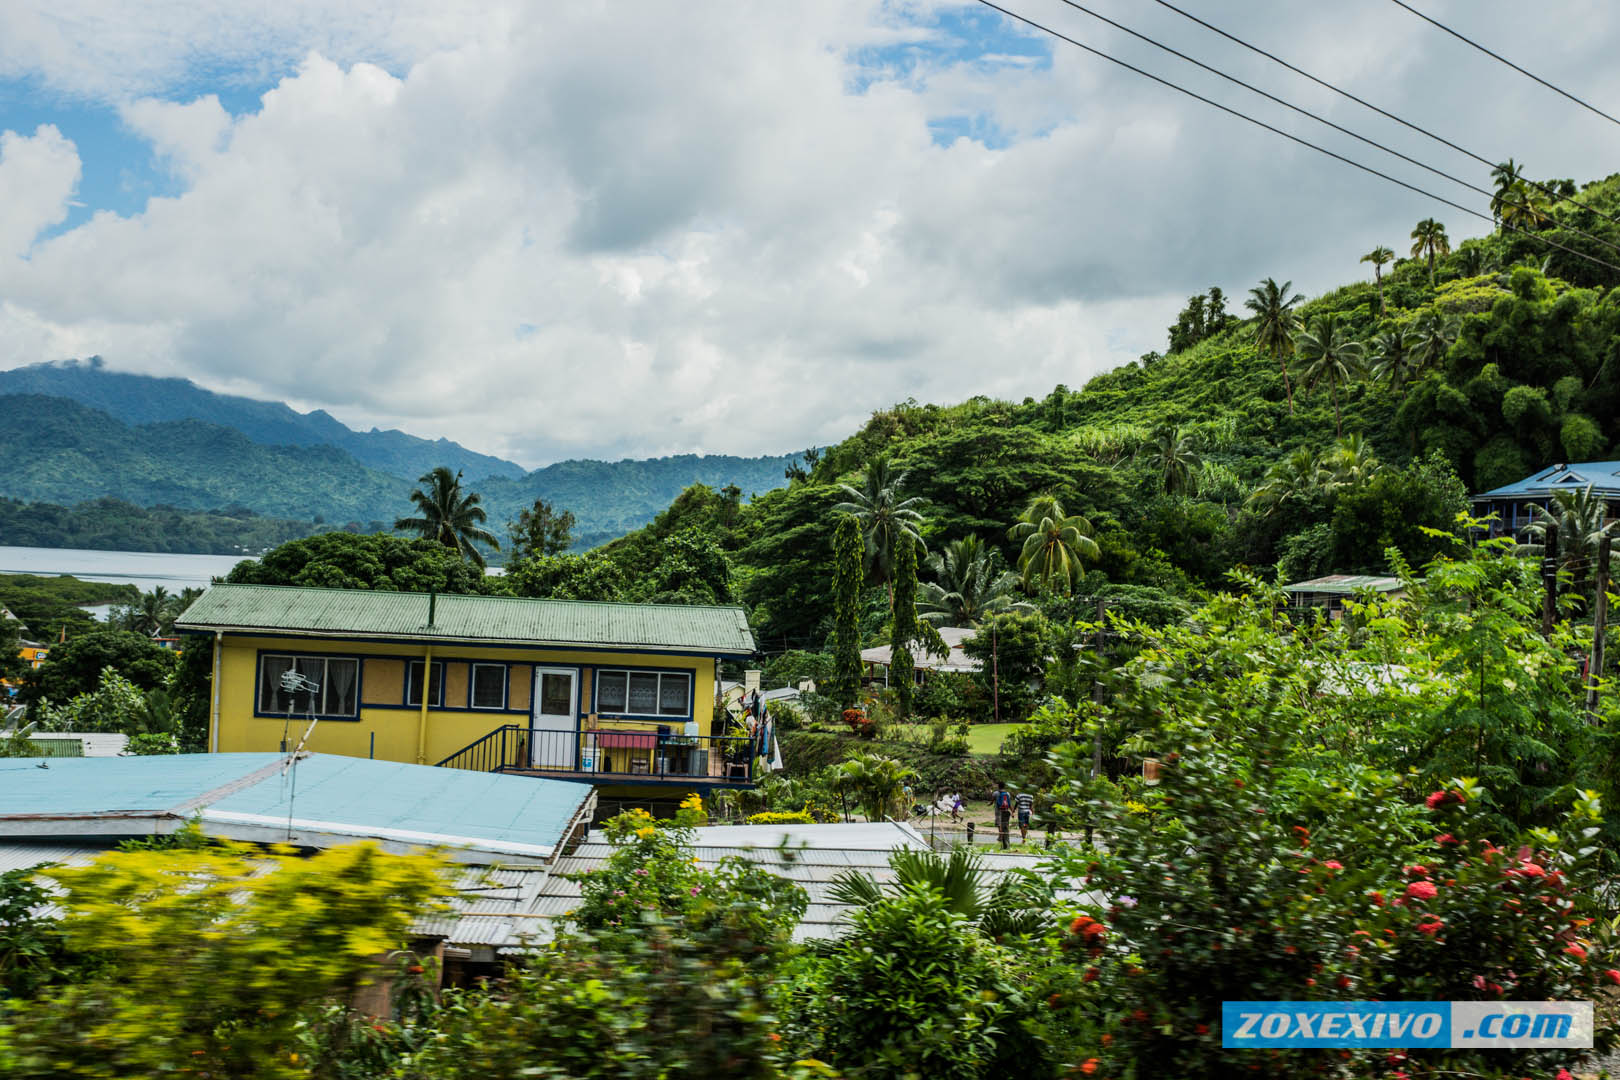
876,783
1174,457
1018,903
969,587
1474,259
1378,256
1394,359
1332,354
1504,176
450,516
1433,335
1053,542
1275,323
154,612
1524,209
1429,240
1297,476
886,520
1582,520
1351,463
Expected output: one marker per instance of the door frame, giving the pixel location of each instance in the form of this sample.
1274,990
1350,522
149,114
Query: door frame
535,697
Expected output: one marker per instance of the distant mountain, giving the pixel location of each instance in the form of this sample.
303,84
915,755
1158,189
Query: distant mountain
59,451
611,498
145,399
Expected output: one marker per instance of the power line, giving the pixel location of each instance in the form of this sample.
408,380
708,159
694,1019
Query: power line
1314,116
1364,103
1505,60
1288,135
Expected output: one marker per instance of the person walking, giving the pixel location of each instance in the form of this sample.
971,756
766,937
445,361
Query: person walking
1003,802
1025,803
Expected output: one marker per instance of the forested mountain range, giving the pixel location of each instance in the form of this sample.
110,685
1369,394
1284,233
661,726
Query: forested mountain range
143,399
73,472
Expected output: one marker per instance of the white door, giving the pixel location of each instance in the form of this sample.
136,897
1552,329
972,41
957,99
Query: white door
553,743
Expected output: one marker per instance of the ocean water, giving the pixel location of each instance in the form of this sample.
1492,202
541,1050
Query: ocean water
145,569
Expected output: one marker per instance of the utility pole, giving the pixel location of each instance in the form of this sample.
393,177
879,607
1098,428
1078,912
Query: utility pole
1600,625
1549,581
1097,691
995,677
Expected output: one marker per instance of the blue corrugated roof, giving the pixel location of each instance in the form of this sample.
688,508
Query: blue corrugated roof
1602,476
251,797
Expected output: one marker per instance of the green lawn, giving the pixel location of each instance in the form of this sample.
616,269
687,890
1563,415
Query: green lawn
983,739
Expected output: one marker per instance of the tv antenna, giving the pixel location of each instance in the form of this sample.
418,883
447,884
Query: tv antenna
295,683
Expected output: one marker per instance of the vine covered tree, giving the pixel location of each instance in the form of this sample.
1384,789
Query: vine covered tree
1429,241
449,515
1275,324
1379,256
1331,355
846,645
885,518
1053,542
903,628
540,530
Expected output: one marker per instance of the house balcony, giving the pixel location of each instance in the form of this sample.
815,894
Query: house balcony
640,755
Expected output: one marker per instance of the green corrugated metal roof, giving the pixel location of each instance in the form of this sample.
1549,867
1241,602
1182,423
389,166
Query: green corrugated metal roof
485,619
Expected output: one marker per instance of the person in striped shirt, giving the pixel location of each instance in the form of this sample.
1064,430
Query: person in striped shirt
1025,803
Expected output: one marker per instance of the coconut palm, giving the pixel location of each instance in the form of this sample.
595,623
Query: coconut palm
1298,476
1524,208
1174,456
886,519
1394,358
1018,903
153,613
969,587
876,783
1053,542
1378,256
1330,355
1275,324
1504,176
1429,241
1433,335
1582,519
1475,259
1351,463
448,515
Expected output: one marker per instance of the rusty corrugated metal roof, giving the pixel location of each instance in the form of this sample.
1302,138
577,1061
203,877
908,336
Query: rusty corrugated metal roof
491,620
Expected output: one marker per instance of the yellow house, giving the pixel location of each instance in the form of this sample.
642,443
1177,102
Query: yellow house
616,694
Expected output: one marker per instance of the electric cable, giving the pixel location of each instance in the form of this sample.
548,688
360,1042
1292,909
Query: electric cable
1505,60
1288,135
1364,103
1314,116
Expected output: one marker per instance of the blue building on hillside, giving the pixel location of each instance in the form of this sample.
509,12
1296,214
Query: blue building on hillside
1511,503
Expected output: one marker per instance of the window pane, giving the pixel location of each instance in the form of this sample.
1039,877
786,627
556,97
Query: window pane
610,691
672,695
413,693
489,686
341,679
556,695
312,668
271,697
643,692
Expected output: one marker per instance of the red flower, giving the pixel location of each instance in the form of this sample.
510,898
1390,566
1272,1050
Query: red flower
1417,870
1089,1067
1377,898
1344,982
1079,924
1445,838
1421,890
1431,928
1613,976
1237,783
1334,864
1530,869
1576,951
1436,800
1202,1029
1090,975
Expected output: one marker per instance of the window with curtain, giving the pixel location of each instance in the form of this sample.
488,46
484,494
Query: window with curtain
644,693
336,679
413,685
489,686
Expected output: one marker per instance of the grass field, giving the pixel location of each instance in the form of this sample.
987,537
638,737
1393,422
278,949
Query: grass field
984,739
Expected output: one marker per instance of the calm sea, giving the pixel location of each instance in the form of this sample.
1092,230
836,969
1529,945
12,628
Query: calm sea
145,569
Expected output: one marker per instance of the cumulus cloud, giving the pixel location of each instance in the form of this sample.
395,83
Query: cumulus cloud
564,230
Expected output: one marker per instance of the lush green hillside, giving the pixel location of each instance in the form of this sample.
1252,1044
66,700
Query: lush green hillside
142,399
115,525
1193,464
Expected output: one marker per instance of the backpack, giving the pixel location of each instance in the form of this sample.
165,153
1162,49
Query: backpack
1003,800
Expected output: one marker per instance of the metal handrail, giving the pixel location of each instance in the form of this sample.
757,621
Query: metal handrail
504,748
514,747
